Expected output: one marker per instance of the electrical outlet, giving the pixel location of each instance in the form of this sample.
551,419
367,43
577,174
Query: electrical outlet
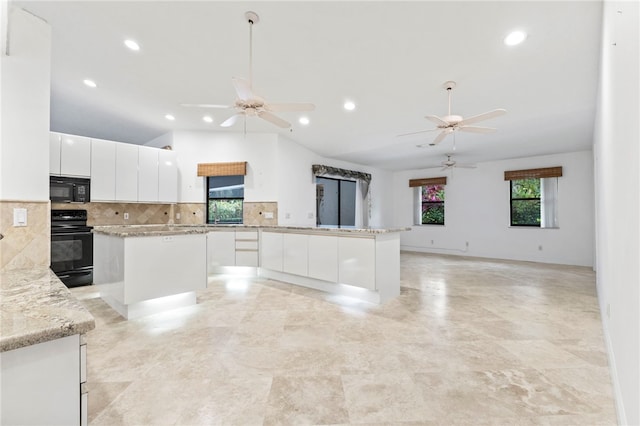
431,242
466,244
268,215
20,217
126,216
310,215
178,216
539,248
287,215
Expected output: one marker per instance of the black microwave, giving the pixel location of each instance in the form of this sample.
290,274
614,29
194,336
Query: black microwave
69,190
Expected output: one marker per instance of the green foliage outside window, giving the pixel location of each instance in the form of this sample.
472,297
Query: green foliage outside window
525,202
432,197
225,211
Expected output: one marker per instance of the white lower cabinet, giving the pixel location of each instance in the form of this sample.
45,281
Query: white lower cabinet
41,383
271,247
221,249
357,262
296,254
323,257
247,248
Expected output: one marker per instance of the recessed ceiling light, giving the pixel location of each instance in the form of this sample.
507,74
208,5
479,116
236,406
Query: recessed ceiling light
169,117
89,83
349,106
303,120
515,37
132,45
207,119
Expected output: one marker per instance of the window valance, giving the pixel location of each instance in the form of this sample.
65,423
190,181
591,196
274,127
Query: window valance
238,168
428,181
364,178
321,170
547,172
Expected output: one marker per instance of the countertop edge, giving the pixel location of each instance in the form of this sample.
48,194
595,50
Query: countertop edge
158,230
39,297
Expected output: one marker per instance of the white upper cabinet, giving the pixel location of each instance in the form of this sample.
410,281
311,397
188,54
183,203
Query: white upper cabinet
147,174
103,170
54,153
75,156
167,176
126,172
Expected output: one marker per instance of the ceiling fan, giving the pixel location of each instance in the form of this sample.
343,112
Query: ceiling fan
451,123
450,164
248,103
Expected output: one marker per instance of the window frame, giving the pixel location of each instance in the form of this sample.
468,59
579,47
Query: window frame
441,202
339,225
214,199
532,199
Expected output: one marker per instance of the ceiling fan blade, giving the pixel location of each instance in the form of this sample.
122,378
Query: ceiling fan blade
266,115
231,120
483,116
440,137
300,106
243,88
466,166
418,132
435,119
206,106
476,129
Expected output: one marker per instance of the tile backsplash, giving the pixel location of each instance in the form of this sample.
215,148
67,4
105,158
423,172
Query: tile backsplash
100,214
25,246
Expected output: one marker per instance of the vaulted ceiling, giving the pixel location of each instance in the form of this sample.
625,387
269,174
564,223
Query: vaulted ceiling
389,57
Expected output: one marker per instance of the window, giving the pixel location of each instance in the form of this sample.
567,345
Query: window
335,202
432,199
225,198
533,202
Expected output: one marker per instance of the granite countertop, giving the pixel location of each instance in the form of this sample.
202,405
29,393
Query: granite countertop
36,307
157,230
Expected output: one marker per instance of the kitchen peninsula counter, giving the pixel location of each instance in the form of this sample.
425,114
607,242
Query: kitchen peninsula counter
138,263
42,350
151,230
37,307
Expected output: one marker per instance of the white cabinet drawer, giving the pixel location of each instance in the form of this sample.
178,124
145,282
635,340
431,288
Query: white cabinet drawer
246,235
247,258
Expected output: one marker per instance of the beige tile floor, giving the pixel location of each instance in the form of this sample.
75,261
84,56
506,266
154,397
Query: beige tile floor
468,342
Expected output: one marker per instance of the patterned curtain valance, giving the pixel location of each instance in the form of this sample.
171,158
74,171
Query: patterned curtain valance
321,170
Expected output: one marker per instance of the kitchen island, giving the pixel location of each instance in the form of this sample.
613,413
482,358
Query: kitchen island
139,267
142,270
42,350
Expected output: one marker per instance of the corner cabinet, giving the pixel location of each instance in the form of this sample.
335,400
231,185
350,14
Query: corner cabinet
69,155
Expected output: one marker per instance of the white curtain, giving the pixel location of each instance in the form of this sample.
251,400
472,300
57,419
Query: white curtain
549,202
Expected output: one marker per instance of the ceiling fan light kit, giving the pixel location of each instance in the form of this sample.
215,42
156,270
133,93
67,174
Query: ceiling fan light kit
248,103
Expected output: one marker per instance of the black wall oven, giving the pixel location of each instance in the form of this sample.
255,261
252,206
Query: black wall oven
71,247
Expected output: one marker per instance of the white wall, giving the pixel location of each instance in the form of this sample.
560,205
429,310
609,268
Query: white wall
25,88
477,212
259,150
297,192
278,170
617,202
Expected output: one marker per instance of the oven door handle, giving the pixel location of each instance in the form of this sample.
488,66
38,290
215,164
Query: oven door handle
62,234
